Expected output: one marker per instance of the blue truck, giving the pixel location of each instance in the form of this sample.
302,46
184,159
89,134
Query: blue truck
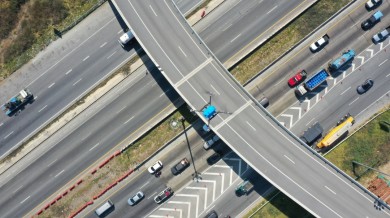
17,102
313,82
340,62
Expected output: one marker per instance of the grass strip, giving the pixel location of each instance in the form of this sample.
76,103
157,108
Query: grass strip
265,54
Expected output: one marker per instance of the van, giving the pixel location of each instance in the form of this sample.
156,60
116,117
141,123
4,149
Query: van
105,209
125,38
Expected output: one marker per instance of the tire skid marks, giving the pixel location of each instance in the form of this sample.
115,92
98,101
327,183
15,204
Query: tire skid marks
295,112
196,197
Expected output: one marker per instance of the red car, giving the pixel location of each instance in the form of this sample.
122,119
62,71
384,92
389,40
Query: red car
298,78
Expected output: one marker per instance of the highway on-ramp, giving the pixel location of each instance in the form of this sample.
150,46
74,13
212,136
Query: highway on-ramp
190,68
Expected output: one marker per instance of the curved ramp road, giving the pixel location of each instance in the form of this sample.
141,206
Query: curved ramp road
250,131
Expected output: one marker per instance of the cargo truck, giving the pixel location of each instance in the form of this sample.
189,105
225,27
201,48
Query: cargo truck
17,102
337,132
312,134
244,188
312,83
340,62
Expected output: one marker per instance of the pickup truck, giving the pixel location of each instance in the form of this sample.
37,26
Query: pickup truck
372,20
180,167
312,83
244,187
162,196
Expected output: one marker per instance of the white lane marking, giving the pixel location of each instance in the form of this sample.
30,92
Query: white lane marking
345,90
121,110
235,37
309,122
250,125
151,8
42,109
388,75
17,189
35,97
111,55
77,81
66,55
51,163
59,173
152,195
94,146
8,135
144,185
215,89
1,124
86,58
289,159
103,45
272,9
162,95
129,120
227,27
120,31
25,200
330,189
353,101
51,85
68,72
382,62
182,51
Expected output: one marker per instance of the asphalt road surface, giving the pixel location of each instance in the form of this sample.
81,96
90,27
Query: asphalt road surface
188,66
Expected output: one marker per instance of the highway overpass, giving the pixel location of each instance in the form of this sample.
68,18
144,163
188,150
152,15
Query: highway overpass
249,130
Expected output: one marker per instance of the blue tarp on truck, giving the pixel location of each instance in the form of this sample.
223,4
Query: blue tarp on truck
316,80
341,61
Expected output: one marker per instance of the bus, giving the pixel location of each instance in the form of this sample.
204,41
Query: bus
334,134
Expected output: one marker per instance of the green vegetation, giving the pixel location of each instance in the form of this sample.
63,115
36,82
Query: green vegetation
288,37
369,146
26,27
278,202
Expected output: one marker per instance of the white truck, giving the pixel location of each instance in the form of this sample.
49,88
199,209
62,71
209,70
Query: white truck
126,38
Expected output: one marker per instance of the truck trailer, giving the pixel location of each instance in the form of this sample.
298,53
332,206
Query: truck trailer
340,62
312,134
313,82
337,132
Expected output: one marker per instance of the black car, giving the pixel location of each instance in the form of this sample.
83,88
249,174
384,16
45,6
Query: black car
212,214
370,22
365,86
180,167
213,158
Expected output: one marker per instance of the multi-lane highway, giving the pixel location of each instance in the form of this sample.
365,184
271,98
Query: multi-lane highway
62,158
248,130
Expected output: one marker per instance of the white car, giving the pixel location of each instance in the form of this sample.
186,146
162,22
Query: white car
156,167
136,198
210,142
320,43
125,38
381,36
371,4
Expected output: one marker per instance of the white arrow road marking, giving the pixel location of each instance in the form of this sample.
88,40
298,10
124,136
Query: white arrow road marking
353,67
362,58
197,202
371,51
204,189
213,182
181,202
299,110
308,104
289,116
346,90
174,210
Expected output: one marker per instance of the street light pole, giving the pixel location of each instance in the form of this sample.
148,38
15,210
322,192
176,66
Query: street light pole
195,176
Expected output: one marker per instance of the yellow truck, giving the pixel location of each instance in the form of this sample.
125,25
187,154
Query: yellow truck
340,130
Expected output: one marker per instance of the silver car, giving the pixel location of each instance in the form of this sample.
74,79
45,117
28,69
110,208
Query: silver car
381,36
136,198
